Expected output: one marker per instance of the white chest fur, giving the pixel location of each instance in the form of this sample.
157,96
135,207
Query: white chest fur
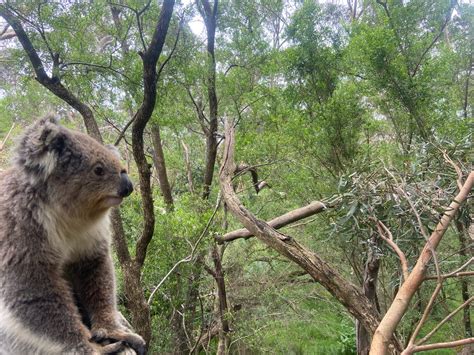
73,238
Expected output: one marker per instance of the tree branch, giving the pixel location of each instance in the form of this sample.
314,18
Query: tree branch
53,83
399,306
440,33
386,235
278,222
449,344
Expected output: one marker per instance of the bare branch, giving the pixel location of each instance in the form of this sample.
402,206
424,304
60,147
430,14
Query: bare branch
425,315
447,318
278,222
437,37
449,344
400,304
122,133
172,50
455,167
456,273
386,235
138,14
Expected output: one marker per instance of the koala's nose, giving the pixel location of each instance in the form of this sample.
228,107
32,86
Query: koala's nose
126,187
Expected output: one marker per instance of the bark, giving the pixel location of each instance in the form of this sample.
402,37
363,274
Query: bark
177,322
369,287
136,301
209,16
188,168
143,115
404,295
160,165
278,222
345,292
464,252
141,319
224,338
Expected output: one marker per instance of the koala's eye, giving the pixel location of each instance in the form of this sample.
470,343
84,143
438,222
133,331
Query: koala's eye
99,170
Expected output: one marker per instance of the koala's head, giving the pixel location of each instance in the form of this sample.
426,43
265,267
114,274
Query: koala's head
79,175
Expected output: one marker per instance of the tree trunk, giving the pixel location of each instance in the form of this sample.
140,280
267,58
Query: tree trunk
399,306
179,340
159,160
369,287
224,338
136,301
465,252
209,16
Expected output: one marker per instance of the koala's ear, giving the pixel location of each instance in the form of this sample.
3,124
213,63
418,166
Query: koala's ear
40,147
114,150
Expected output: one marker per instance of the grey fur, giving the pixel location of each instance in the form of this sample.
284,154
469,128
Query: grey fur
55,243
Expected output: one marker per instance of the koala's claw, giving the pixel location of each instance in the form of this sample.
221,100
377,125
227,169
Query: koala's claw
126,339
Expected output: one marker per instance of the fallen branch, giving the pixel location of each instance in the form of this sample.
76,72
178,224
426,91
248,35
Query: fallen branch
278,222
344,291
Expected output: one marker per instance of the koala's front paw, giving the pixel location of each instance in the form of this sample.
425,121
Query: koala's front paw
131,340
111,349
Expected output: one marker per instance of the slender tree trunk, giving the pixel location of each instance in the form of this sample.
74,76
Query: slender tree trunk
160,165
224,338
188,168
209,14
136,301
399,306
179,339
465,251
369,287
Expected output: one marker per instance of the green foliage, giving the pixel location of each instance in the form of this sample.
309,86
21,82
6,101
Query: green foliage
326,107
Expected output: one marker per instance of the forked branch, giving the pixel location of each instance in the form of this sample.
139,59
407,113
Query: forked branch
402,300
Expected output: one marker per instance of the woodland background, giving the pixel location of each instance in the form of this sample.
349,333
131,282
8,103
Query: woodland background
362,106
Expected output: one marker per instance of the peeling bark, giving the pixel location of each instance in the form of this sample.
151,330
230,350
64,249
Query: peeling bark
369,287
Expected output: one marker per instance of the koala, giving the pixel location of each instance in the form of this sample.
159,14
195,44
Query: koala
55,264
